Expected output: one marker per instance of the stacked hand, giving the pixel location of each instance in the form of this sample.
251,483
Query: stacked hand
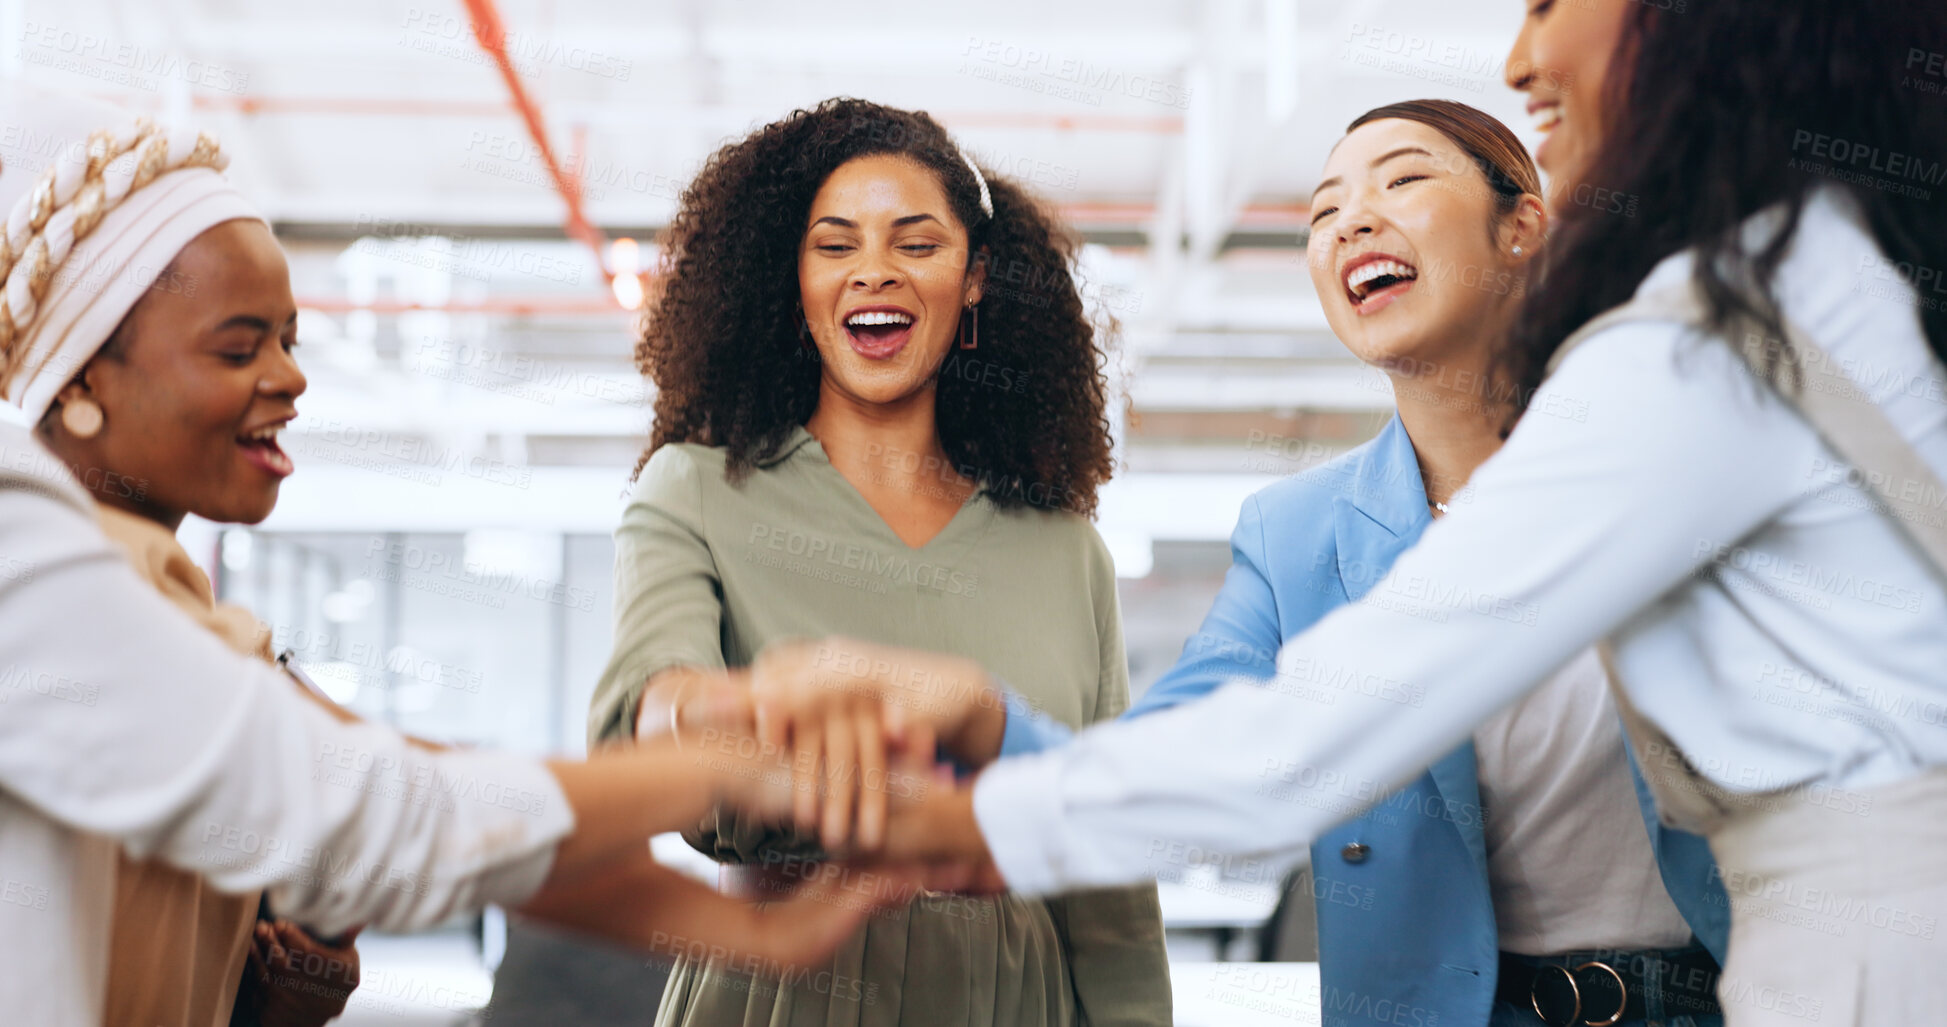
697,750
837,737
845,735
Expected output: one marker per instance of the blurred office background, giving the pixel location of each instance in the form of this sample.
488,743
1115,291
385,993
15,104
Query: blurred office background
441,561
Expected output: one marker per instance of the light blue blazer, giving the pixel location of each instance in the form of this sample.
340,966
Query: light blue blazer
1405,918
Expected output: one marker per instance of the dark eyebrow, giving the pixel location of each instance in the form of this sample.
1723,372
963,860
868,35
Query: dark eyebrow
909,219
252,322
1401,152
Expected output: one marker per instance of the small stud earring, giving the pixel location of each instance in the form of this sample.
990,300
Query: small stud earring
1517,251
82,417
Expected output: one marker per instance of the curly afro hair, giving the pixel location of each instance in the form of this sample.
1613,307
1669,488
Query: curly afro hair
721,336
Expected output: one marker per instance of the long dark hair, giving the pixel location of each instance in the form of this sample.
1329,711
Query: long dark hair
1718,112
721,339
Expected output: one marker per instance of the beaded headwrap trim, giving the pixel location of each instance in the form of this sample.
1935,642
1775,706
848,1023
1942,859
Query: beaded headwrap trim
66,204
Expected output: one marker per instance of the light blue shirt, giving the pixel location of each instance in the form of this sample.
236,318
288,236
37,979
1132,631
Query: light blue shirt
1765,614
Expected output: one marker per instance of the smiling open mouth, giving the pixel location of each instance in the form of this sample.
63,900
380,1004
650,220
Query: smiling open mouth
1373,284
260,448
878,334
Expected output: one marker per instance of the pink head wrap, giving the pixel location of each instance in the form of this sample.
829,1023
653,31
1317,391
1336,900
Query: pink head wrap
154,206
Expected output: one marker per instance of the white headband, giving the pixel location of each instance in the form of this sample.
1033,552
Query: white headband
986,198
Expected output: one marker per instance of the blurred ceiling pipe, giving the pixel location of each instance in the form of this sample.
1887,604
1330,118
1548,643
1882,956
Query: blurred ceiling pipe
392,106
1159,125
1104,223
363,106
1262,215
492,36
566,305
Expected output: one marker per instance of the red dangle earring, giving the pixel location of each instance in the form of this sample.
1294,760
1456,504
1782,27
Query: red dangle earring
970,327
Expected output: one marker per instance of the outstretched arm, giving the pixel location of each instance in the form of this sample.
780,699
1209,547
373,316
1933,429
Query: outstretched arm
135,724
637,902
623,796
1239,638
1577,526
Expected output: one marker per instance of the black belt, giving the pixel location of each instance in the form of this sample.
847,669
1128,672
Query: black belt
1598,988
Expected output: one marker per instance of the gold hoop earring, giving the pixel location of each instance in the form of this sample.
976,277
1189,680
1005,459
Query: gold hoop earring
82,417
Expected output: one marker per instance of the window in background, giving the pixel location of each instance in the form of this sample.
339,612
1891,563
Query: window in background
479,638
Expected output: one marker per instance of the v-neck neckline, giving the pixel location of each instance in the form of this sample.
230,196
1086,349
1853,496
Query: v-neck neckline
976,499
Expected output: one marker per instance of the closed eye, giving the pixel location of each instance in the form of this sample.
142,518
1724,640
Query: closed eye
1403,179
921,249
1322,213
834,247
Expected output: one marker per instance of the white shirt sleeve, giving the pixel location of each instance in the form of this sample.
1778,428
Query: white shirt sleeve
1645,444
120,717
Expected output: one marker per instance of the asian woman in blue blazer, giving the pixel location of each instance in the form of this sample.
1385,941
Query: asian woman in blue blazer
1411,922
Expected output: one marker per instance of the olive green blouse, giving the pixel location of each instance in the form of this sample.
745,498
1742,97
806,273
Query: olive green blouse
707,573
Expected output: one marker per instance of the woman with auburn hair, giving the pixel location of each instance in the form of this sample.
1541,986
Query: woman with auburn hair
880,412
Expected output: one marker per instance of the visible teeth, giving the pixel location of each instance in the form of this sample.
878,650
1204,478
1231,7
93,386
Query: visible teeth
264,434
1546,118
879,317
1356,280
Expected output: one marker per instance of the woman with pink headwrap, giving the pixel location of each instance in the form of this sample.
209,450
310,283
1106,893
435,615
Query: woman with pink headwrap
142,239
146,333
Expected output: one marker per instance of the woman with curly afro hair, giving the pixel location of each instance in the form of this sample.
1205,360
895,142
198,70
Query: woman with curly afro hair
880,413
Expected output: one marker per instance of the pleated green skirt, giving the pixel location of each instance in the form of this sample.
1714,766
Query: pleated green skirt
945,959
